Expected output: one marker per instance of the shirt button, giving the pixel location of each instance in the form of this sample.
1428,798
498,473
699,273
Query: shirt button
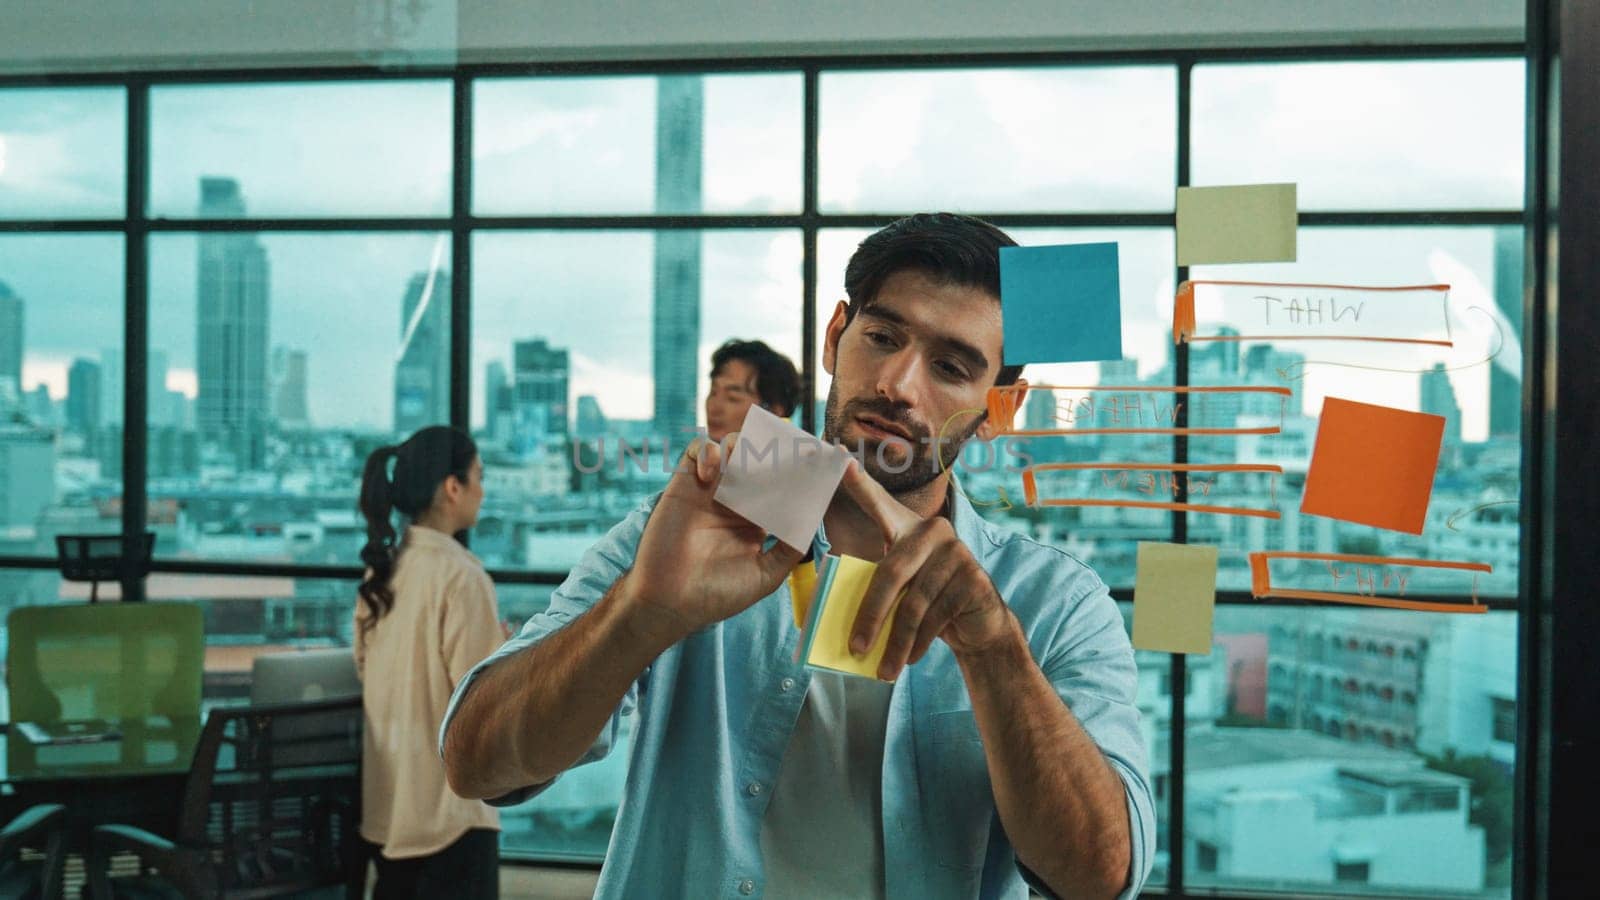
786,685
753,789
747,886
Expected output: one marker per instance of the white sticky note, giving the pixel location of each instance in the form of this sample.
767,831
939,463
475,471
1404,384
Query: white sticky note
780,477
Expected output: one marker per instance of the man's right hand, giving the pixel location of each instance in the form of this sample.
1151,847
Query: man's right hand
699,562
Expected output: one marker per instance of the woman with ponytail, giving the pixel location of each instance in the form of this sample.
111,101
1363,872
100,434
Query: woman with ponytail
425,616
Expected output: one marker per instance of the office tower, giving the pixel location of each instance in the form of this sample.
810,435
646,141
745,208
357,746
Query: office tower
497,402
1439,399
157,411
422,365
232,335
290,405
10,339
675,338
1505,388
83,396
540,375
591,419
27,473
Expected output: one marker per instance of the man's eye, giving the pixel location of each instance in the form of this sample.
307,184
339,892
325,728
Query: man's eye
950,370
879,338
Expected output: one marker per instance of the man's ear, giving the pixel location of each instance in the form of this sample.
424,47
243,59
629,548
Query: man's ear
990,429
830,338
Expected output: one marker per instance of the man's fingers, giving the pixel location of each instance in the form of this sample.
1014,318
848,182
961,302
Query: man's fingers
922,610
708,462
902,563
891,516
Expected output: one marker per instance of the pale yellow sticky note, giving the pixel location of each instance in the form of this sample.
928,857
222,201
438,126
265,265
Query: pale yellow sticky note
1238,223
1174,597
830,647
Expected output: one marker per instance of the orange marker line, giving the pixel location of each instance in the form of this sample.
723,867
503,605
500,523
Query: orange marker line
1385,602
1149,504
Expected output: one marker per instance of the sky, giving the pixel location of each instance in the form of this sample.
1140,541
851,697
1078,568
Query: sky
1433,135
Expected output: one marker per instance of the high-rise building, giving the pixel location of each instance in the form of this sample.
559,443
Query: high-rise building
422,366
497,402
1439,399
1505,388
158,412
10,338
83,396
591,419
27,473
539,394
675,338
232,334
290,406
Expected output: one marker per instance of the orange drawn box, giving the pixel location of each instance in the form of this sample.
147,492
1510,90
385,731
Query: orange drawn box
1128,481
1267,311
1141,409
1362,580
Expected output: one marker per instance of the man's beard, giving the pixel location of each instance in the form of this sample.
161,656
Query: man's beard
891,467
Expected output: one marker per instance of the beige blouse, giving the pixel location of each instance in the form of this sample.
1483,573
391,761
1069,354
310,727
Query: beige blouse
443,623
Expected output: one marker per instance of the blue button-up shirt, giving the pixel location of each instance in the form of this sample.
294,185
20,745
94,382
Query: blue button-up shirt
717,709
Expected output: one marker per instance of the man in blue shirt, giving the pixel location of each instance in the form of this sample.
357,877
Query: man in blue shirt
1002,748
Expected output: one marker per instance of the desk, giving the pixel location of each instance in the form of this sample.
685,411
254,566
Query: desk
135,780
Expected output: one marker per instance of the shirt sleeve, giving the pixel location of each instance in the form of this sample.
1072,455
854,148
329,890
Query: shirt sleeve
1092,669
602,564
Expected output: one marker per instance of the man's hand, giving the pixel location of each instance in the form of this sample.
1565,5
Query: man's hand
946,594
699,562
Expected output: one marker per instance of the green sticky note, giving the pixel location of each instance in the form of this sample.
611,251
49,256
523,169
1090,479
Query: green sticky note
1174,596
1238,223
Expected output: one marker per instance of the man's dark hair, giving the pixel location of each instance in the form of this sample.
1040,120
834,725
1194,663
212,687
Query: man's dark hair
777,382
950,248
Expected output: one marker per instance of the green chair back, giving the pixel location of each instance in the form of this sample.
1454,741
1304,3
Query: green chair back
104,661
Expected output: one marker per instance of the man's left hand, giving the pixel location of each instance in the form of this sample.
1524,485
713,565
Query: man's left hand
942,590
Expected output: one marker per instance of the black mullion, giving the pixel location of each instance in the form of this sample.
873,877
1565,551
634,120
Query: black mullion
810,129
60,225
1530,776
461,259
135,341
1179,666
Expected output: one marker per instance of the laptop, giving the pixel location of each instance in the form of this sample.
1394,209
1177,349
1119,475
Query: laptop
82,731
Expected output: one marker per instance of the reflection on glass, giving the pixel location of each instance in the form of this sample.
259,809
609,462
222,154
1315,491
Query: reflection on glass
668,144
278,362
1104,537
332,149
1365,135
1352,750
61,374
578,423
1475,385
63,153
995,139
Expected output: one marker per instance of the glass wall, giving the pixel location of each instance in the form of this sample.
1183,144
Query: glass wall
319,280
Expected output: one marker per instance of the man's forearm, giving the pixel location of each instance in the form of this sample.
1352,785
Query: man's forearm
1062,805
530,716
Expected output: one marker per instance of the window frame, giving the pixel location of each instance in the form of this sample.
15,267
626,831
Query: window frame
461,224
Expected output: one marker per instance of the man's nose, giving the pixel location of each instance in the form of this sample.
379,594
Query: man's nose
897,379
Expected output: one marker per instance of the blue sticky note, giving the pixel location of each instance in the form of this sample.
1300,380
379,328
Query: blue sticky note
1061,303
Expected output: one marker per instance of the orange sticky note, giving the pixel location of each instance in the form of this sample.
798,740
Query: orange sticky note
1373,465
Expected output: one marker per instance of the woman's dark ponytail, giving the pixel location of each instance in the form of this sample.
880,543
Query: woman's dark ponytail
421,464
377,507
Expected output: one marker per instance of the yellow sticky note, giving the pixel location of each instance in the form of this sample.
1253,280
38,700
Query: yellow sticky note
1174,597
1239,223
833,617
